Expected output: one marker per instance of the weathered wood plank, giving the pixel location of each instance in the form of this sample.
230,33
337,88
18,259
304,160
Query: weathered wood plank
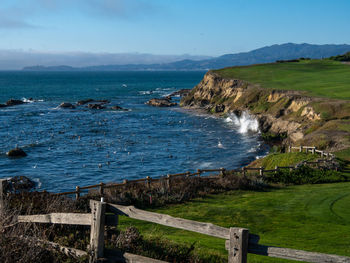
118,256
98,210
211,170
238,245
298,255
253,168
59,218
71,252
166,220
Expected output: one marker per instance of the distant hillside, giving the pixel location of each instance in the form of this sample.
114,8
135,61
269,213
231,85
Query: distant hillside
261,55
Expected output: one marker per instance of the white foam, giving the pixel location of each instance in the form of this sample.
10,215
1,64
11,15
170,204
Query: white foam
37,180
30,100
245,123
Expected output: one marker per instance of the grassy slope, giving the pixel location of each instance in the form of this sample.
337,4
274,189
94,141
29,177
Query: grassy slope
323,78
283,159
308,217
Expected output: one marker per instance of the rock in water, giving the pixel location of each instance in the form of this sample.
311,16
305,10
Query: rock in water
13,102
82,102
164,102
66,105
21,183
181,93
17,152
116,107
96,106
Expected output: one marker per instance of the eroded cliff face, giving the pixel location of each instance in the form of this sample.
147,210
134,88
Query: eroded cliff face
289,115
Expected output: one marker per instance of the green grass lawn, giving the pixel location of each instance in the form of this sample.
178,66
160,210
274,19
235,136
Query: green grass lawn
323,78
284,159
308,217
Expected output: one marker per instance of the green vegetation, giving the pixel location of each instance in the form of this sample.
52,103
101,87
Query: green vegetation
323,78
299,217
306,175
283,159
345,57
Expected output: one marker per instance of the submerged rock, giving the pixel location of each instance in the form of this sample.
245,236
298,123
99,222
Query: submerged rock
96,106
83,102
66,105
116,107
13,102
17,152
163,102
181,93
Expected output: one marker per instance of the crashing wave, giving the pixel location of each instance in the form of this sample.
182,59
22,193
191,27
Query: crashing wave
245,123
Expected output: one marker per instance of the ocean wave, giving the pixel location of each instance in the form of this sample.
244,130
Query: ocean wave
245,123
30,100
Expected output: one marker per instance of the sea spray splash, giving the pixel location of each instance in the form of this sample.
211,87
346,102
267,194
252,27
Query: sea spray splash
245,122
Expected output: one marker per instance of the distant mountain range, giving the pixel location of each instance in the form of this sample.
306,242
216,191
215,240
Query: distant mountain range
262,55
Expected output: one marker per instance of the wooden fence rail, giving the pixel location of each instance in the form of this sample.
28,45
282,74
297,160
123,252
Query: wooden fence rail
239,242
168,178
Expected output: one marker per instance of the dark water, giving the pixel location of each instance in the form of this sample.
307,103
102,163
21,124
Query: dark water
80,147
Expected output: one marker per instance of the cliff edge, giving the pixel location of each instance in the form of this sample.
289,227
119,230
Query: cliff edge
289,116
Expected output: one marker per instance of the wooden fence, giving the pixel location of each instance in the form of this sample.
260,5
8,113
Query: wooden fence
239,242
147,181
168,178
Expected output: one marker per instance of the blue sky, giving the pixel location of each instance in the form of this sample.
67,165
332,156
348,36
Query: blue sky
170,26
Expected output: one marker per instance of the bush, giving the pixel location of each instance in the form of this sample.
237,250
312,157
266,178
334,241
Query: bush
305,175
130,240
182,189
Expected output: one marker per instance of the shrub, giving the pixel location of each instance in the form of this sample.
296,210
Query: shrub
305,175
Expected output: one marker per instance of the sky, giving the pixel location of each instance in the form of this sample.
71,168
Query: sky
197,27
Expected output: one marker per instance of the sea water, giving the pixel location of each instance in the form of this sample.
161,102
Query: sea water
70,147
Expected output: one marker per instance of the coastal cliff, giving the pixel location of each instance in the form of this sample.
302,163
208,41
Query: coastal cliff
289,116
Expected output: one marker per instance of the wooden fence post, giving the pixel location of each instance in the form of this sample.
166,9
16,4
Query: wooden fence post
2,194
276,169
77,194
301,149
168,180
222,172
98,210
101,189
148,182
238,245
243,170
261,171
199,171
289,149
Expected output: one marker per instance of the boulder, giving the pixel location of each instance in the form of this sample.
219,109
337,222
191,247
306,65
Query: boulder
17,152
66,105
86,101
163,102
21,183
83,102
13,102
116,107
219,108
96,106
181,93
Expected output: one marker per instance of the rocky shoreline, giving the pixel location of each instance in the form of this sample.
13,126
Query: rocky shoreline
286,116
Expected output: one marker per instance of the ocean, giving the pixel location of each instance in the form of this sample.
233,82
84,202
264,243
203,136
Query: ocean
70,147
